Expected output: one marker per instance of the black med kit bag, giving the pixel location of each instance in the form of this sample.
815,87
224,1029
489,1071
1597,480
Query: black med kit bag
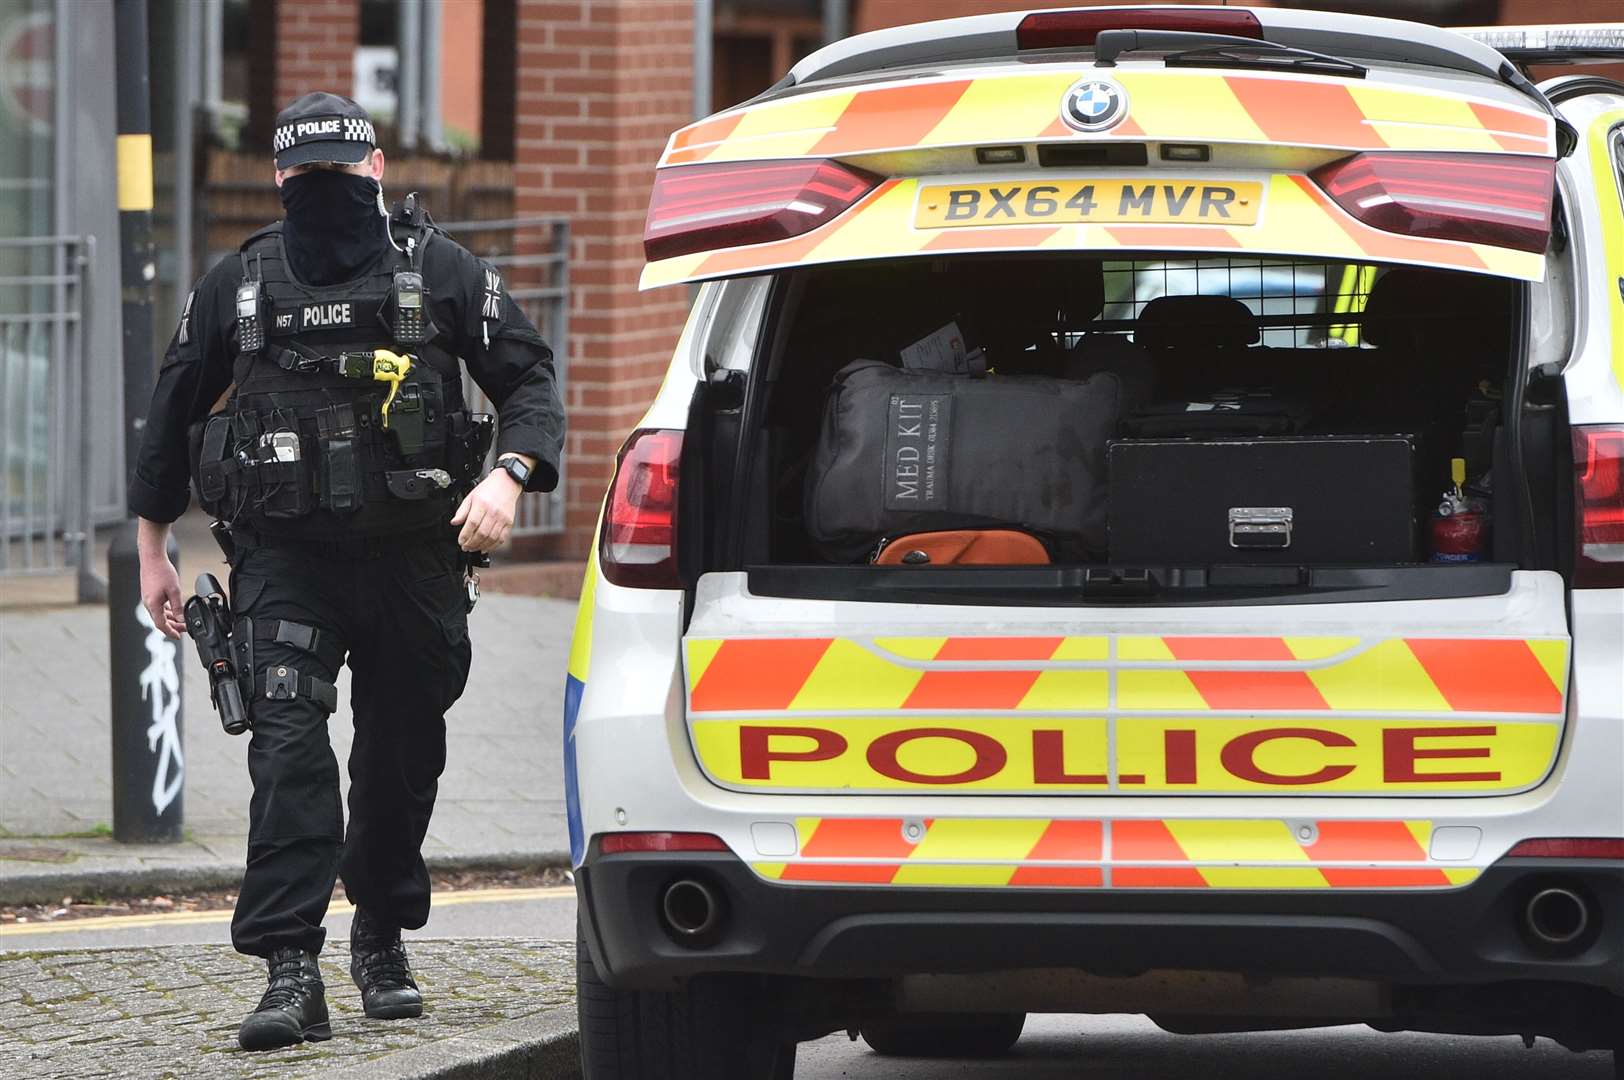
914,451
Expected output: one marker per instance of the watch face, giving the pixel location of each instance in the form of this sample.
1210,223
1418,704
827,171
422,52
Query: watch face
516,469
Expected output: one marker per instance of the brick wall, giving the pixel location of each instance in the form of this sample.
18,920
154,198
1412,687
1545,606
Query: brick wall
601,85
299,46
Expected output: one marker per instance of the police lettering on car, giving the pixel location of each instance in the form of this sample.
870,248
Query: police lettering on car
346,476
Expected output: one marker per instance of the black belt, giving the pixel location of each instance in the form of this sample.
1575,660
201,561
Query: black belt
349,547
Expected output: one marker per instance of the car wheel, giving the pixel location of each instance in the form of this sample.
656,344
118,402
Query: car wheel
708,1030
975,1035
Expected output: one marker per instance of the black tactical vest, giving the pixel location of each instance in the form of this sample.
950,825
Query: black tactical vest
324,437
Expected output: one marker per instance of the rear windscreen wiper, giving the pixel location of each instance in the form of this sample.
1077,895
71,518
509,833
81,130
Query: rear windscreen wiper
1264,55
1191,49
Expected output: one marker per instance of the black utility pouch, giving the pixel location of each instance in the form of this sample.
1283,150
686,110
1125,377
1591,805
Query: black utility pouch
194,460
285,487
337,437
417,422
471,438
214,464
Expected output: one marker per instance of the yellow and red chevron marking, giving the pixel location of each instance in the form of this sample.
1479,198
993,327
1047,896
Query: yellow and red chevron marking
1004,105
1297,675
1127,714
1123,854
1296,219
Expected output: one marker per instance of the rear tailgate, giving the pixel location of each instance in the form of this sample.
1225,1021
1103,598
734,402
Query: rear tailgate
917,137
1456,697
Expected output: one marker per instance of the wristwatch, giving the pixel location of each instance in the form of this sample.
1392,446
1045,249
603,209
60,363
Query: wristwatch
517,469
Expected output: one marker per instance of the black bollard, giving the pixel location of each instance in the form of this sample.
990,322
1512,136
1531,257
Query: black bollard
149,769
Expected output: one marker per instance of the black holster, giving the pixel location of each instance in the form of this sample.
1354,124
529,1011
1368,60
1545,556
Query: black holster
208,622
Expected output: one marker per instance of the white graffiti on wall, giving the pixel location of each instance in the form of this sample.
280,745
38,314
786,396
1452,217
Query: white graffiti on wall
160,686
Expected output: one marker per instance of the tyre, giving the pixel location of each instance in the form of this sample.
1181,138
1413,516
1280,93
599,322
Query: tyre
972,1035
709,1030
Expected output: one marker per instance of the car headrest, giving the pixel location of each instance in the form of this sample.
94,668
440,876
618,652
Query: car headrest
1011,296
1408,302
1183,322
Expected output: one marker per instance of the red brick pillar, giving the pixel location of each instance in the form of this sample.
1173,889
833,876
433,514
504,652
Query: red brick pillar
299,46
601,85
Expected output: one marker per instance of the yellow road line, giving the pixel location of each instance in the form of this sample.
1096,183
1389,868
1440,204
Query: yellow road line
340,907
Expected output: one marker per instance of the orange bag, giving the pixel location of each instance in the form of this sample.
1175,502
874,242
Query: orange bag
986,547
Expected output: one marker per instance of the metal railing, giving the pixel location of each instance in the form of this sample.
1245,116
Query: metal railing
45,421
532,255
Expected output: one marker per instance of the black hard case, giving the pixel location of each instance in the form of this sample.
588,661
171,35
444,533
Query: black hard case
1352,498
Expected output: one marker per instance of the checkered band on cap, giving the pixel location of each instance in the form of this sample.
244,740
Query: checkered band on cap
323,129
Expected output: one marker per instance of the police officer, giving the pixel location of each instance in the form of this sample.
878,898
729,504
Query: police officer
346,467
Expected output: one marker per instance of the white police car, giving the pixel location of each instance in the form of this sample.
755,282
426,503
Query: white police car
1311,711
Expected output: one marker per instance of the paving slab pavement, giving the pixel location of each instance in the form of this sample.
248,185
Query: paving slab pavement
501,797
490,1005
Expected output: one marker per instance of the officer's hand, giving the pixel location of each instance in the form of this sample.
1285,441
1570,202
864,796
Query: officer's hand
486,515
160,592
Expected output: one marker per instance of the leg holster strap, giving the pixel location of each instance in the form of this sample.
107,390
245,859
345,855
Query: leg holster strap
279,682
308,639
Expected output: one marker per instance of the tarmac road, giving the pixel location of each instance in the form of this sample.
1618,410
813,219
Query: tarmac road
1132,1048
1074,1047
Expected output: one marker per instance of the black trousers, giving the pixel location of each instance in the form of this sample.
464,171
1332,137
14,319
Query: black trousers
401,620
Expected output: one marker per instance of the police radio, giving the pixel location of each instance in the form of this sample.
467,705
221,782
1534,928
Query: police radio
411,324
250,316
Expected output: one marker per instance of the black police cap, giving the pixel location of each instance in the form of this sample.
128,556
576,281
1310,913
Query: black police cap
322,127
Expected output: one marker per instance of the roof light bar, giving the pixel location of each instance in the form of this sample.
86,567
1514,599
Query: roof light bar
1073,29
705,207
1595,42
1498,199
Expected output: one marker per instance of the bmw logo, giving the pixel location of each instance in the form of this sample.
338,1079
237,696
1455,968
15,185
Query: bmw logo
1094,105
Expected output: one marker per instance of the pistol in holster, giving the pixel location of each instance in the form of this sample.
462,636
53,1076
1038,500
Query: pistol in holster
208,622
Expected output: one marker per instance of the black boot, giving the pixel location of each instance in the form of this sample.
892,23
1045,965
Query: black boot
380,970
294,1007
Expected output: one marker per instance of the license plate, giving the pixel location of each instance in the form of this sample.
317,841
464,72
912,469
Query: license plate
1108,202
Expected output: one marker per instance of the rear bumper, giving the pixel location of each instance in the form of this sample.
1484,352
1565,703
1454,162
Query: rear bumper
1458,937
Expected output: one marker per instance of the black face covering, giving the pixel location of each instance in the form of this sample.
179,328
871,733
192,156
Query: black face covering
333,230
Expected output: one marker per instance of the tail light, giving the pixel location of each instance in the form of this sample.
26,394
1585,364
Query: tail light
1063,29
615,843
1598,504
704,207
1577,847
1494,199
638,548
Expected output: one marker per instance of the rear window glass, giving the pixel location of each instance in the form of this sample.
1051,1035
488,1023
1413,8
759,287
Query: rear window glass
1297,304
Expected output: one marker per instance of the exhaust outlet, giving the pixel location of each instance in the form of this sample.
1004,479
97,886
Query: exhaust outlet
1557,916
691,909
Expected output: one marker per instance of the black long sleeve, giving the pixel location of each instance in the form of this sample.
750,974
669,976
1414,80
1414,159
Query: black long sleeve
195,372
504,354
